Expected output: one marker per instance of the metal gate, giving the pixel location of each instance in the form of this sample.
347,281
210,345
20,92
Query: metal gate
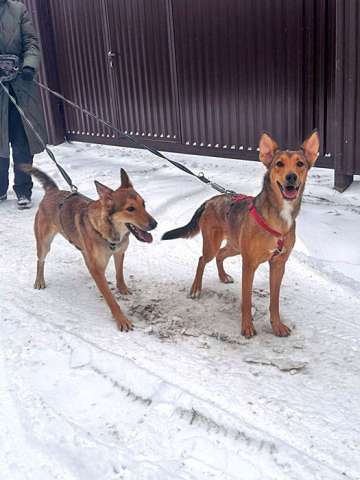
114,58
198,76
252,65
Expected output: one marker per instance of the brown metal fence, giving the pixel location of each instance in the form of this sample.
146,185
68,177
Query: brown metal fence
252,65
207,77
347,86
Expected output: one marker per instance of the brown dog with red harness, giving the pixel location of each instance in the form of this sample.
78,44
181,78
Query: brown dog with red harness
260,229
99,228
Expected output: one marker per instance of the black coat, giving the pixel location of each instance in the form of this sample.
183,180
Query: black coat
18,37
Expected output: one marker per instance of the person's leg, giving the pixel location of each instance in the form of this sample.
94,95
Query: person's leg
21,153
4,177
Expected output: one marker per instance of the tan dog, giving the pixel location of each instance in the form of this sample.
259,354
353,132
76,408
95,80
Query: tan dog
99,229
260,229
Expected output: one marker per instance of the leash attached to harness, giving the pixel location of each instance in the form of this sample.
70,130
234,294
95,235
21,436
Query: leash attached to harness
200,176
261,222
9,68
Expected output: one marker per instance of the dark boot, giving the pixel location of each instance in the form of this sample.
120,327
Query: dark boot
4,177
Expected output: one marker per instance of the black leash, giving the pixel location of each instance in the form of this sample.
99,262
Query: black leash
200,176
65,175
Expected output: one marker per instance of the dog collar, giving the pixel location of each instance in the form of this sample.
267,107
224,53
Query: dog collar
261,221
114,245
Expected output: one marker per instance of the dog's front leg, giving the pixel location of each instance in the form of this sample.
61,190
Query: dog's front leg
98,273
248,272
119,267
277,269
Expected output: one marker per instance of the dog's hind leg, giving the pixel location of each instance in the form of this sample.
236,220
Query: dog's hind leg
225,252
211,243
44,234
119,267
248,271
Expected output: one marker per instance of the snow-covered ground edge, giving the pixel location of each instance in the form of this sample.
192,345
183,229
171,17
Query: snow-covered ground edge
184,396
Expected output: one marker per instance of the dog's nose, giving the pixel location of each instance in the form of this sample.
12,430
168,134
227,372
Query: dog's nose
291,178
152,224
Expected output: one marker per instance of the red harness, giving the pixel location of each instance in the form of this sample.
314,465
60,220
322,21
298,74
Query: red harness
260,221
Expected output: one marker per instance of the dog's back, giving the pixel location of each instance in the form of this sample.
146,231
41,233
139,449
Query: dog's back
56,200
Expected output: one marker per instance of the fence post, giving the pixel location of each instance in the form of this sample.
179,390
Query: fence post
345,95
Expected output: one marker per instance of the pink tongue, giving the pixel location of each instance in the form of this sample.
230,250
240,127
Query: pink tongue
147,237
290,193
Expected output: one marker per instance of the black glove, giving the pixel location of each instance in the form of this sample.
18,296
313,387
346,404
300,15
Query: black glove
28,74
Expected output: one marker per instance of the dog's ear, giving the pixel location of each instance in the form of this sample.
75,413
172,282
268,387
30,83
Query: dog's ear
103,191
125,180
267,147
311,148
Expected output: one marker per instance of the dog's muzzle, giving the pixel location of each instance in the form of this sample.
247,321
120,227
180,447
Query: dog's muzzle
289,191
142,235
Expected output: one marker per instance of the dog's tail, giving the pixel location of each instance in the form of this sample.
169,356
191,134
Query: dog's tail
46,182
189,230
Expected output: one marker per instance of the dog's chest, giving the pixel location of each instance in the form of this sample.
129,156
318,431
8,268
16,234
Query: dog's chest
123,231
122,245
286,213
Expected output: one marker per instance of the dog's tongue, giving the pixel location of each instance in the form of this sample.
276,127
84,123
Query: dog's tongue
290,192
145,236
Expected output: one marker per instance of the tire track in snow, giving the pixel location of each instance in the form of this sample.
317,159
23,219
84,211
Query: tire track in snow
252,439
69,314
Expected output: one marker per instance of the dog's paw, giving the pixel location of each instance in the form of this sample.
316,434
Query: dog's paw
195,293
39,284
227,279
124,325
248,330
123,289
280,329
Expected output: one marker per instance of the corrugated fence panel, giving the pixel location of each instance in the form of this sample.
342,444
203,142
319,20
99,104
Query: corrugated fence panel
143,68
240,71
318,71
82,47
348,87
201,76
328,140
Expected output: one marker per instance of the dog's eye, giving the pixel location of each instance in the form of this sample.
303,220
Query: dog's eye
279,163
299,163
130,209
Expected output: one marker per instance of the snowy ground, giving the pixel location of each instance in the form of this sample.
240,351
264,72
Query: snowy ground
183,396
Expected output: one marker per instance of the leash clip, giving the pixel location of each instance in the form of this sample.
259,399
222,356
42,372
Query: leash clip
279,250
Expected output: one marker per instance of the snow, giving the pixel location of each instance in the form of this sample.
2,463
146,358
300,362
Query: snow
183,396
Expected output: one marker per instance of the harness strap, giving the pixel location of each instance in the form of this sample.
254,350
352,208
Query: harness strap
60,206
261,221
71,194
